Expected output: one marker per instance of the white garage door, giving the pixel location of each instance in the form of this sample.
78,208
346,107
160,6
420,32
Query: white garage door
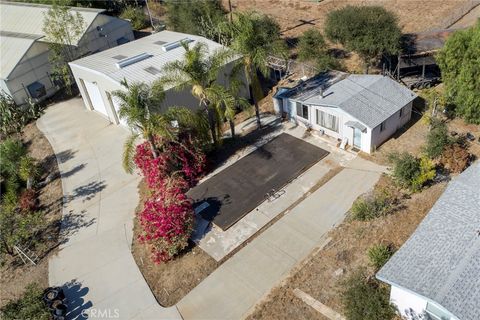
95,98
116,106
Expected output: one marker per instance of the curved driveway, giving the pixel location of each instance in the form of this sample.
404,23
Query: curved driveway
94,262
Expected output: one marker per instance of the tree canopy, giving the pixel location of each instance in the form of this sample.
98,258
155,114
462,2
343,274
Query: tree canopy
63,28
368,30
255,37
199,18
313,48
459,62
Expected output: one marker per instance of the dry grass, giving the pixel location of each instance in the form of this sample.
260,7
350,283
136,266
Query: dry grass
172,280
346,251
14,275
413,15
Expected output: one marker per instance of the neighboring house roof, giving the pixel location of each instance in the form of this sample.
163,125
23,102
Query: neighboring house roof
371,99
27,18
13,47
441,260
151,54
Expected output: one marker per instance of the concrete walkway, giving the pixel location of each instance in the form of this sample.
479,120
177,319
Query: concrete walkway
94,262
235,287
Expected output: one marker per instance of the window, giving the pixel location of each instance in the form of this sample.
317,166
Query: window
401,113
327,120
382,126
36,90
302,110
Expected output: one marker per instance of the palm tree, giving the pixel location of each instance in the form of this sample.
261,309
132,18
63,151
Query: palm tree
227,100
139,106
199,70
255,37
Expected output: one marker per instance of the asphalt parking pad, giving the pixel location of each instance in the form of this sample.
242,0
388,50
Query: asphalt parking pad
241,187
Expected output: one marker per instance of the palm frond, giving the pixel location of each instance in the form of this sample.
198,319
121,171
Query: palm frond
128,153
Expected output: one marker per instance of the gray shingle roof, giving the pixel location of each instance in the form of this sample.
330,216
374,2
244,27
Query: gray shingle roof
441,260
369,98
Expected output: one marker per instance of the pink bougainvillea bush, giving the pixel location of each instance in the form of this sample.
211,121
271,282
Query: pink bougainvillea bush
175,158
167,216
167,220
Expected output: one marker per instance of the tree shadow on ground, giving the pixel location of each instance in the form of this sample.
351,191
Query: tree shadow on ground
72,222
229,147
73,171
87,192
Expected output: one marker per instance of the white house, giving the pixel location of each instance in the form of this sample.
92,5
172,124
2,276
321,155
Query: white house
139,61
362,111
25,70
436,273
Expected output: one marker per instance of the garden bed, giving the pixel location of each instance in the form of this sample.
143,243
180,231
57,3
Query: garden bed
14,275
322,273
171,281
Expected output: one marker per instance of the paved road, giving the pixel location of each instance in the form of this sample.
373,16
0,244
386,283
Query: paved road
234,288
94,263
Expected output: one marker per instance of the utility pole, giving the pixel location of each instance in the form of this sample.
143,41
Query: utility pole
149,15
230,10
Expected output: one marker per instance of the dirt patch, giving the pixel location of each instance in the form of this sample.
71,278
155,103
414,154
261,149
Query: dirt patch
172,280
15,276
346,252
413,16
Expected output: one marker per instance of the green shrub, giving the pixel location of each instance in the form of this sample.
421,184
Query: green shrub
437,139
11,151
372,206
411,172
379,255
366,299
427,173
137,17
29,306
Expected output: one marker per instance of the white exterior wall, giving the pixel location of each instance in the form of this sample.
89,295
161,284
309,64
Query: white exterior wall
407,303
35,65
173,97
112,29
343,117
392,124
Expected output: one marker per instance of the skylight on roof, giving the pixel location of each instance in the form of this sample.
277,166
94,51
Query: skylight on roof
119,57
131,60
175,44
152,70
159,42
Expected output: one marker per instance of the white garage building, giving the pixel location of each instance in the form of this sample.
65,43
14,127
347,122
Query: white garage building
25,70
139,61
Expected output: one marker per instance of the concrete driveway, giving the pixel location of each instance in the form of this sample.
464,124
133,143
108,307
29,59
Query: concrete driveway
94,262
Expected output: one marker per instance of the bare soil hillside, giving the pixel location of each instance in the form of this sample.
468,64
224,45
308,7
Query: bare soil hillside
296,16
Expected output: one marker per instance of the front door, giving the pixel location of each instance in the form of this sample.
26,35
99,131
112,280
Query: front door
357,138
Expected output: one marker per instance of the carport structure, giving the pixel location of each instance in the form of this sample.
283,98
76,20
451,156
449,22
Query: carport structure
229,195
